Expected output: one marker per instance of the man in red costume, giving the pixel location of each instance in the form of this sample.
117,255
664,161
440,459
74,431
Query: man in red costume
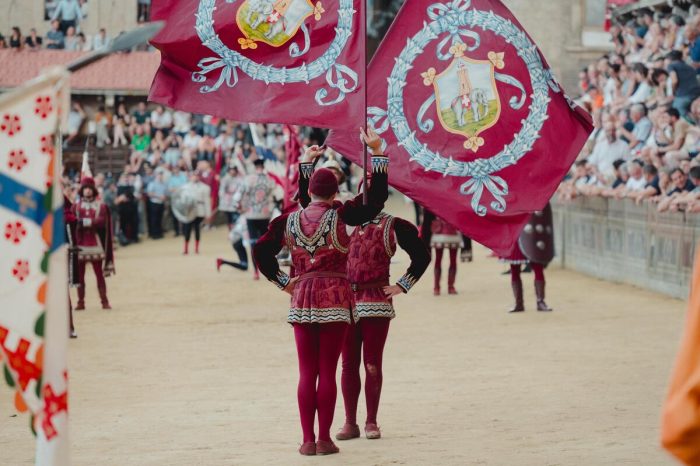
321,304
93,233
372,245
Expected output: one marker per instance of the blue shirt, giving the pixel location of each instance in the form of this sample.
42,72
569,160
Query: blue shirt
68,10
56,36
176,181
158,189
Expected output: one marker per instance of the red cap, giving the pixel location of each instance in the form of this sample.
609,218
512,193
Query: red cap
323,183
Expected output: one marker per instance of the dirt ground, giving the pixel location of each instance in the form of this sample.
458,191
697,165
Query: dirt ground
195,367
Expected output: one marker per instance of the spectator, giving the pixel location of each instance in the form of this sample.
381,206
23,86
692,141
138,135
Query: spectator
54,38
679,130
641,127
652,187
144,11
68,13
608,151
231,185
182,121
141,141
33,41
162,120
16,38
76,116
636,181
684,81
141,115
102,121
681,183
3,43
71,42
156,191
101,40
120,123
640,75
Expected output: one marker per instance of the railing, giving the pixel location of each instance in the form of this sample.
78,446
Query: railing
620,241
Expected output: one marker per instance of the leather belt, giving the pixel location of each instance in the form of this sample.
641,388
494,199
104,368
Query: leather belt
310,275
369,285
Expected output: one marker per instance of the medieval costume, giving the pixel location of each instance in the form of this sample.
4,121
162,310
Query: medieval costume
321,304
73,281
191,205
535,247
440,235
236,237
258,203
93,236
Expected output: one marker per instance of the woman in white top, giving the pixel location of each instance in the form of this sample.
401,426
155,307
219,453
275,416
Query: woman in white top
191,205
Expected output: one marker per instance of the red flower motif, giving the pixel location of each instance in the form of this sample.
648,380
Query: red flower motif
16,160
43,106
47,146
15,232
11,124
21,270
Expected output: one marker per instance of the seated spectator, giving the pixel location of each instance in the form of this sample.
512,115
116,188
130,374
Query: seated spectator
76,116
101,40
636,181
641,128
71,42
141,140
54,38
173,153
83,43
120,123
662,93
33,41
162,120
680,186
16,38
3,42
182,121
679,129
102,121
607,151
643,88
141,114
684,81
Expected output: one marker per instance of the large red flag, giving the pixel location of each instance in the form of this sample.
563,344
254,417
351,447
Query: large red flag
282,61
477,128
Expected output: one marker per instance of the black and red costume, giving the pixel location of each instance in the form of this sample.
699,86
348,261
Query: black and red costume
321,304
93,237
536,247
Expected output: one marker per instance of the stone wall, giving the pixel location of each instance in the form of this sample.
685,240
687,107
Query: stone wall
619,241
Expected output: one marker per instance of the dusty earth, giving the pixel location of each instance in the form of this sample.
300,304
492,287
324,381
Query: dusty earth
195,367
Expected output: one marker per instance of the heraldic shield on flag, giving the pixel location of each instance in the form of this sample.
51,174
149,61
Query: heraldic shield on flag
477,127
266,61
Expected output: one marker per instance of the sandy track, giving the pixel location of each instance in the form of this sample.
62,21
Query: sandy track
198,368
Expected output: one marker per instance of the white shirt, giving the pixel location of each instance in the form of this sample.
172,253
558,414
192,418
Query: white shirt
98,42
190,141
182,122
605,153
636,185
641,94
161,120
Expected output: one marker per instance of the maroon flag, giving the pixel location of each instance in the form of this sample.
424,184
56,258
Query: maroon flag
292,148
477,128
281,61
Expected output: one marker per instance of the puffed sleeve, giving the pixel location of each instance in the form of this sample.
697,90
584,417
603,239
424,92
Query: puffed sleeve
266,249
354,212
407,237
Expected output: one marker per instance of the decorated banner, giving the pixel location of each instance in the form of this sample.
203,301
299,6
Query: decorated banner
477,128
292,149
281,61
33,270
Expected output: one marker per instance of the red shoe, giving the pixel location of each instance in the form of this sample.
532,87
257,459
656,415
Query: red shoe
80,306
348,432
452,290
218,264
326,447
106,306
308,449
372,432
436,291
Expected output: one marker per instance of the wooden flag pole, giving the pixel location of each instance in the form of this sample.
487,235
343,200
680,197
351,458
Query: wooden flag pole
363,18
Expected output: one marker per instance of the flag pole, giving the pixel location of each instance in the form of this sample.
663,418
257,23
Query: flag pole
363,18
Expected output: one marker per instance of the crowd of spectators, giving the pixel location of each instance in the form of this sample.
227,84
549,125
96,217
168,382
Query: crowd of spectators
163,148
645,100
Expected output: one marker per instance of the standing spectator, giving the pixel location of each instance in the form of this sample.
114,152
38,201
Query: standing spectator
16,38
684,81
157,192
54,38
76,116
101,40
33,41
231,183
144,11
68,13
71,42
177,180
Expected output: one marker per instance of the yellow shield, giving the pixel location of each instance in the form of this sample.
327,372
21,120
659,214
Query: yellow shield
273,22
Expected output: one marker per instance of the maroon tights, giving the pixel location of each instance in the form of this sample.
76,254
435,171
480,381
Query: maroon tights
318,348
538,270
368,335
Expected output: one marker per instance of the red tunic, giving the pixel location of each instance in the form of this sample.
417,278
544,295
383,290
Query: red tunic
371,247
319,243
92,232
444,235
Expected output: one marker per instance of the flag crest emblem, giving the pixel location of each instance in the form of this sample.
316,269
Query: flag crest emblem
273,22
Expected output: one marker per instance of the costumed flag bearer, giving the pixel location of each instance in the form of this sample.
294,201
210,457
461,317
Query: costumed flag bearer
93,237
536,247
321,304
372,245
